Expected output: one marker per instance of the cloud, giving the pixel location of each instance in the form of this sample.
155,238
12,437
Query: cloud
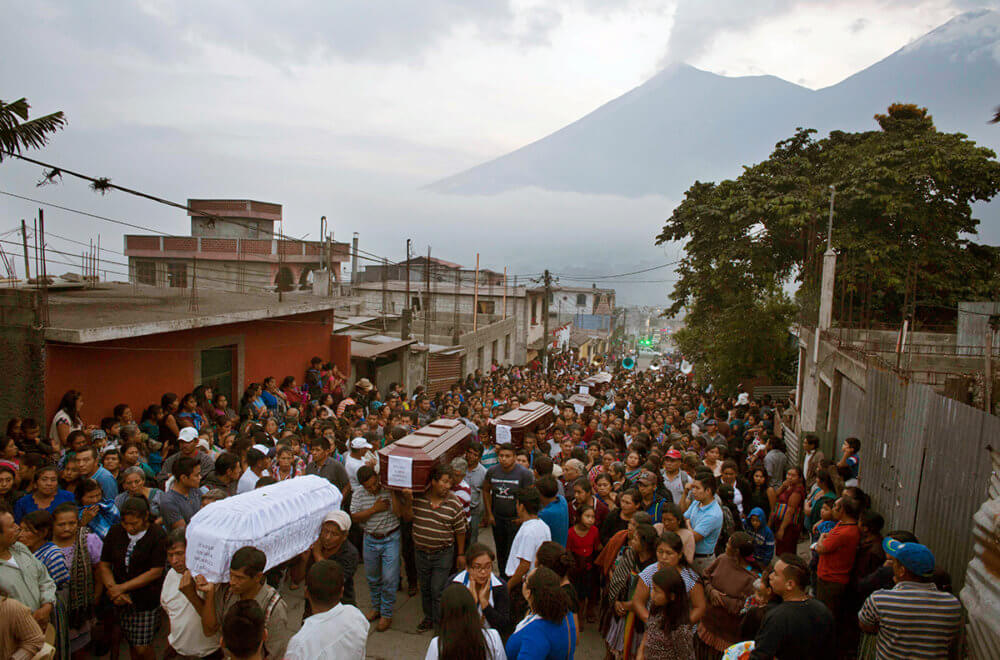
293,31
699,23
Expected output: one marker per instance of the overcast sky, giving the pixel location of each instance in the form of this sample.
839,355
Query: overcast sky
346,108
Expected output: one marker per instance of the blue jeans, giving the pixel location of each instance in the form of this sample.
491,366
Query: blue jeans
382,558
472,536
434,569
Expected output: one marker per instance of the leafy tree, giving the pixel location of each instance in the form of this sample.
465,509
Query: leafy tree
903,196
18,133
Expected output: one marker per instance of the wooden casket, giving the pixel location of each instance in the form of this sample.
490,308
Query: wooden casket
407,463
510,427
596,385
583,404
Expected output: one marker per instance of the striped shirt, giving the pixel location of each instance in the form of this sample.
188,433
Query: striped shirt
435,528
489,458
464,495
914,620
55,563
382,522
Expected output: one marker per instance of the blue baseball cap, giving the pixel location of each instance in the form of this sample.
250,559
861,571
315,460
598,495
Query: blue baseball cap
916,558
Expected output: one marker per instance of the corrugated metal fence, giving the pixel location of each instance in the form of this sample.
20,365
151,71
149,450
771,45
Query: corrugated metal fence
981,594
926,465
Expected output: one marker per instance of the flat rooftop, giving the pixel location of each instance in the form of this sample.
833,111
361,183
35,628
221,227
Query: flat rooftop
445,288
118,311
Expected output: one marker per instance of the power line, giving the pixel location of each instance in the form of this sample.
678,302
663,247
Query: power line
135,226
583,278
160,232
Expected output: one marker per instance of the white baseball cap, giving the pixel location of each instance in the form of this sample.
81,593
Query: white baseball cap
341,518
360,443
188,434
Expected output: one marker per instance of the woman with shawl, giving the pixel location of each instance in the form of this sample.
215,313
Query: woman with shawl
787,515
82,551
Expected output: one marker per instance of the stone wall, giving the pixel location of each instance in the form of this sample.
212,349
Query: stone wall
22,350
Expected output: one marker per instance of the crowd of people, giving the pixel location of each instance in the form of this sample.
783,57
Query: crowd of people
667,520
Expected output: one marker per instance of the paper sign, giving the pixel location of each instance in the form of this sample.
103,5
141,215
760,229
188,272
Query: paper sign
503,434
578,408
585,389
400,471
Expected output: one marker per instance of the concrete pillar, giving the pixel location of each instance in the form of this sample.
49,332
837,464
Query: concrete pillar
826,289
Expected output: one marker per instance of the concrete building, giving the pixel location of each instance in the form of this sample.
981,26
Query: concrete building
130,344
233,246
420,269
432,356
834,363
585,307
448,309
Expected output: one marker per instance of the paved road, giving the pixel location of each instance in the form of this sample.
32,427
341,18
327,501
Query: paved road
401,641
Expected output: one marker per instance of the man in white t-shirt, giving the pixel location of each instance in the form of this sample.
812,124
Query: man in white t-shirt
186,635
257,464
359,455
335,631
532,533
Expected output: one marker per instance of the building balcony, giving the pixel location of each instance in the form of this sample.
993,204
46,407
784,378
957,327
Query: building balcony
232,249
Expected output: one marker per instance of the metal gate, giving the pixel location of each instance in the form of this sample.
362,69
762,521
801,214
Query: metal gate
443,371
850,414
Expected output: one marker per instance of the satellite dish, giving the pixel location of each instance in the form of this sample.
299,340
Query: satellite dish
686,367
628,363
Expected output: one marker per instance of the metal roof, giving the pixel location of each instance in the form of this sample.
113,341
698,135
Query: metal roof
364,349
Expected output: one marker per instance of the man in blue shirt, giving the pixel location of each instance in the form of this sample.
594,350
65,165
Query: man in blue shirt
90,468
555,511
704,519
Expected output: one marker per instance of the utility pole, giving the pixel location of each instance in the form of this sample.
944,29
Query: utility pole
504,293
475,297
24,242
825,319
281,266
354,262
407,275
992,326
42,270
545,323
407,318
427,298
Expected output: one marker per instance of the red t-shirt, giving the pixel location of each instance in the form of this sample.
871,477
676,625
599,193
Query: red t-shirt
584,548
841,544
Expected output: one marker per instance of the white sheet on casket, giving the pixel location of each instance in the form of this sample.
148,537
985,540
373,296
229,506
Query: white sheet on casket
282,519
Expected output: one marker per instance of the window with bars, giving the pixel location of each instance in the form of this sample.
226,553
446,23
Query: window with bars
177,275
145,272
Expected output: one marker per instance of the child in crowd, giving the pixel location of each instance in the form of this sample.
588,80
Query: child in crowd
584,542
763,537
825,524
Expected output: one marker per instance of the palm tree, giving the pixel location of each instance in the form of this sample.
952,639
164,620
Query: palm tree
17,132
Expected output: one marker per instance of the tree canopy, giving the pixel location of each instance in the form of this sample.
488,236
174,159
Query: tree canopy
903,196
18,133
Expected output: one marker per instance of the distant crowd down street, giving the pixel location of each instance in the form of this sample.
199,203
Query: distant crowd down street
661,514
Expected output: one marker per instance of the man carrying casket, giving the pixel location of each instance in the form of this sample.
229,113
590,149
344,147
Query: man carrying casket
246,582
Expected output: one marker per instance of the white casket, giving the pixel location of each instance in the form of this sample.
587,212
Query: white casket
282,519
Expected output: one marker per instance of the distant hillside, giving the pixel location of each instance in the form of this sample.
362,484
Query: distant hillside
686,124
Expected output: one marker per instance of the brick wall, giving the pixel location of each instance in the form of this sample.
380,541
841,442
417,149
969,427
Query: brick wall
218,245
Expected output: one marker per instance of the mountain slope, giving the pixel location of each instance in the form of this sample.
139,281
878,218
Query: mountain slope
686,124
